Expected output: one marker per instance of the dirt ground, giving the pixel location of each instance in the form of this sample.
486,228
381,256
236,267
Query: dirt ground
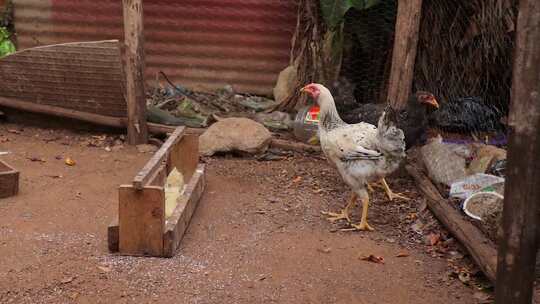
256,237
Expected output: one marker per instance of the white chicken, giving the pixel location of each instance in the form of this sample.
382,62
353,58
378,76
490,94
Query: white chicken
362,153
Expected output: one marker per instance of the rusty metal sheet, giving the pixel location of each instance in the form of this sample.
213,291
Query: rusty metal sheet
80,76
202,44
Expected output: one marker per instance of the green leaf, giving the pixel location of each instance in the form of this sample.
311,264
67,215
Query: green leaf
364,4
333,11
6,46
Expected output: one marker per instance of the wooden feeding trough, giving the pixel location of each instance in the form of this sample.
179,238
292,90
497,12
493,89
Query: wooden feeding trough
142,227
9,180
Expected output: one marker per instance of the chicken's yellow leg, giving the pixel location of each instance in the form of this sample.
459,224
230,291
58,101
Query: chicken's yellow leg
363,222
344,214
391,194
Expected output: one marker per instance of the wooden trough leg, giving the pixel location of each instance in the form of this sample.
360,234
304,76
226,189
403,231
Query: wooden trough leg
141,220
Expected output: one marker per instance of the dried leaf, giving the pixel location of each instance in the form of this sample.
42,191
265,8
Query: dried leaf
402,255
36,159
70,162
66,280
104,268
434,239
297,179
324,250
482,297
374,259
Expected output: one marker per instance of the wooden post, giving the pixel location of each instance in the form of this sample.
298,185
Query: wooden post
518,245
135,92
404,54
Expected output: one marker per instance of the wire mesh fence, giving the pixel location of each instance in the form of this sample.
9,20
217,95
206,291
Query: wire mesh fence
465,58
239,47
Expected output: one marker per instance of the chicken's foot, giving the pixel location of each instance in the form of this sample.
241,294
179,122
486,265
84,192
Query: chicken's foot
364,226
391,194
343,214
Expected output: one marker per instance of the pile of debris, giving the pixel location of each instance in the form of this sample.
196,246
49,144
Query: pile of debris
177,105
472,175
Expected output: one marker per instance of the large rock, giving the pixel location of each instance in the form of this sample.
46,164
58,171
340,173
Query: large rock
235,134
286,84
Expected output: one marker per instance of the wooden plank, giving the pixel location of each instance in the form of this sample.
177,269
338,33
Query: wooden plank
134,68
465,232
142,178
9,180
159,177
520,221
141,220
115,122
68,75
178,222
404,53
185,156
113,236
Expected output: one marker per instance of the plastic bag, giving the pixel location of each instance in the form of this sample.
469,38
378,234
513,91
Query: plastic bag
468,186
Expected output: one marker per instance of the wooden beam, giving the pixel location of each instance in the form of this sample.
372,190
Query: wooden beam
178,222
465,232
520,221
404,53
109,121
143,177
134,69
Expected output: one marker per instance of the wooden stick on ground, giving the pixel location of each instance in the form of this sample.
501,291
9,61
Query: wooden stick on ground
476,243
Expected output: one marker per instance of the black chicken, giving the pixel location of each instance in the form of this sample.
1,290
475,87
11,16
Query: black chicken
467,115
413,120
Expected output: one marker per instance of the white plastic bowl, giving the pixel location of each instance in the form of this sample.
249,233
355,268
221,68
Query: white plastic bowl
466,203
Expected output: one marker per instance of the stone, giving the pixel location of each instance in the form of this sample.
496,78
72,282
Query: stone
235,134
286,84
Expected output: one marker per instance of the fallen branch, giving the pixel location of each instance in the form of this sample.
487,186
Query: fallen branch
479,247
294,146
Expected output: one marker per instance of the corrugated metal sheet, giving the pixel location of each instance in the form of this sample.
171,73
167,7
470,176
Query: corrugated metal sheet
202,44
85,76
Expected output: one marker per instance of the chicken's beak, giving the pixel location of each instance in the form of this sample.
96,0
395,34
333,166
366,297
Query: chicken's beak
432,102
